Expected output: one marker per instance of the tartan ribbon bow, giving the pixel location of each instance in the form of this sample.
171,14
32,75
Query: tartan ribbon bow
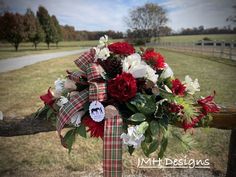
96,91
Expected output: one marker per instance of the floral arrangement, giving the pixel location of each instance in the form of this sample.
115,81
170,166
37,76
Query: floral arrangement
140,84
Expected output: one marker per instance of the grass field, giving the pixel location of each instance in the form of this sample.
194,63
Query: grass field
41,155
195,38
8,51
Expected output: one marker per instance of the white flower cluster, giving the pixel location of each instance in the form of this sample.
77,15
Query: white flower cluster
134,65
135,136
191,86
101,50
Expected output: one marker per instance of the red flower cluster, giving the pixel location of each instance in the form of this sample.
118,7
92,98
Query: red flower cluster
177,87
48,98
123,87
154,58
187,125
96,129
122,48
208,105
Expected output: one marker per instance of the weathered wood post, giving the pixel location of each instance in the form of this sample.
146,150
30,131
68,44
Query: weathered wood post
231,172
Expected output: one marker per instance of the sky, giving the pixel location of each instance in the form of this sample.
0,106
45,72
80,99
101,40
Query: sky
95,15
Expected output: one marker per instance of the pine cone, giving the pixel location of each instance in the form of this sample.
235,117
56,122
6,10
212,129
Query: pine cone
111,66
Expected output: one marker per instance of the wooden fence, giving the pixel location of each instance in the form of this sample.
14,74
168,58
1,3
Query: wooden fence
225,119
220,49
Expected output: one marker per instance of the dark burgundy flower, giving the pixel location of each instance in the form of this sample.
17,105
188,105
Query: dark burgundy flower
96,129
123,87
177,87
208,105
154,58
111,66
48,98
122,48
176,108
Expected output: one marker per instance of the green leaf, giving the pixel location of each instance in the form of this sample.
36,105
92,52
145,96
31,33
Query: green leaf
164,143
49,113
144,103
131,107
138,117
145,148
153,146
148,149
81,130
42,112
154,127
131,149
70,139
148,137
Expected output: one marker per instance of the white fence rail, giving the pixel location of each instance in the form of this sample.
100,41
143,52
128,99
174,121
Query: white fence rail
220,49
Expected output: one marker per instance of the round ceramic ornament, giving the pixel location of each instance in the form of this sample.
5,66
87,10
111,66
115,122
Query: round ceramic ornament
96,111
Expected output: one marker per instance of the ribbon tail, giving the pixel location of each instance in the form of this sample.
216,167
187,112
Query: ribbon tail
112,144
68,110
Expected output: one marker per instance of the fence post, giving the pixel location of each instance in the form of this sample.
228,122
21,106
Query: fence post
230,49
202,44
231,172
214,47
222,49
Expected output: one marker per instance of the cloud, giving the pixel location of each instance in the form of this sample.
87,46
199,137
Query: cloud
210,13
105,14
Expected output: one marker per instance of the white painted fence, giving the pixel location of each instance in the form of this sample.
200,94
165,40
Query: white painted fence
220,49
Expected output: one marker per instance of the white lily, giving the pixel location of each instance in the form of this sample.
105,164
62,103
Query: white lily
103,41
103,53
191,86
151,74
167,72
134,65
135,136
76,119
63,100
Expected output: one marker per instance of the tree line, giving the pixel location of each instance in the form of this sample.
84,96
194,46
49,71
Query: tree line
42,27
16,28
202,30
70,34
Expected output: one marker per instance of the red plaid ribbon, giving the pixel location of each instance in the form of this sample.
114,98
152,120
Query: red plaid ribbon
112,147
96,91
70,108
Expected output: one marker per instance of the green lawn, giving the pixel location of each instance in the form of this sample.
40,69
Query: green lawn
41,154
26,48
195,38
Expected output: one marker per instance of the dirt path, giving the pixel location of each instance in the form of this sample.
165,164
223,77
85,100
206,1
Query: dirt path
19,62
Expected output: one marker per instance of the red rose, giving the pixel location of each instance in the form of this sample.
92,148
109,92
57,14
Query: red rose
122,48
208,105
123,87
48,98
177,87
154,58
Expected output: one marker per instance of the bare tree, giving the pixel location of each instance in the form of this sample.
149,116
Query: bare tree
232,18
147,19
